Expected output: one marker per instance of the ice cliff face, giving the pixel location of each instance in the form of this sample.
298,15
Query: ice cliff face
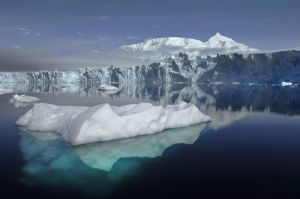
177,69
262,68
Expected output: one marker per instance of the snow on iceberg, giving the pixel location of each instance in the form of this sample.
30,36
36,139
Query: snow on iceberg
286,84
23,99
107,88
80,125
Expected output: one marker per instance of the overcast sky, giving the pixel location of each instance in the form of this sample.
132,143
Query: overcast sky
85,31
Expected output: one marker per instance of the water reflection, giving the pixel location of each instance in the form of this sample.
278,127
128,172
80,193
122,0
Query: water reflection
285,100
94,168
97,168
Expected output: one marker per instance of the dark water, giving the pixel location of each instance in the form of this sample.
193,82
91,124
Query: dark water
251,149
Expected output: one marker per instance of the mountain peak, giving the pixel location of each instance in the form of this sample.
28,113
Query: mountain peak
217,35
218,40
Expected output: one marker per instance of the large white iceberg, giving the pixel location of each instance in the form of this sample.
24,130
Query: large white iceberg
23,99
80,125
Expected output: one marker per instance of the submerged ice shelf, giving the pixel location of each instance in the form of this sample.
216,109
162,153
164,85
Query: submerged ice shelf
104,155
80,125
105,164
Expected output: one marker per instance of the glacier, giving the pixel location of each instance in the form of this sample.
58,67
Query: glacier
81,125
261,68
177,69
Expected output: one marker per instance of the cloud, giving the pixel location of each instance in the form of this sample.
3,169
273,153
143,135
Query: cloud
96,51
103,18
88,19
136,38
22,30
103,38
66,53
38,34
26,31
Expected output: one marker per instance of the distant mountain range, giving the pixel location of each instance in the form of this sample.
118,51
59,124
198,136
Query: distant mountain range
158,48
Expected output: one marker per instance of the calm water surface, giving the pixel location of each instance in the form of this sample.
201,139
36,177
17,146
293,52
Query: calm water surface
250,149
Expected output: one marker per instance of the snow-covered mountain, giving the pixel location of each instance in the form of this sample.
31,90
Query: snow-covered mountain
157,44
169,46
228,44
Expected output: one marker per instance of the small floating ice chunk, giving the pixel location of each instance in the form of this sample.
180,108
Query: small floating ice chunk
286,84
23,99
105,87
80,125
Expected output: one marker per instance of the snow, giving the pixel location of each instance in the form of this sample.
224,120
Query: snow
80,125
23,99
5,91
286,84
193,47
219,41
157,43
105,87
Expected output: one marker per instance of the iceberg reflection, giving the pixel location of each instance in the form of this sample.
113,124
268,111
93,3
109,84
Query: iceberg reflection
104,155
94,168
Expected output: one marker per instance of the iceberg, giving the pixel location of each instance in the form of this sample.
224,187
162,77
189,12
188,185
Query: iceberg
286,84
81,125
107,88
23,99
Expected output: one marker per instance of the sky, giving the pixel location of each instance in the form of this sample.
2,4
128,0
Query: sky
85,32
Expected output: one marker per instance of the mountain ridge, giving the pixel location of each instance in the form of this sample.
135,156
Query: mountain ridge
169,46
